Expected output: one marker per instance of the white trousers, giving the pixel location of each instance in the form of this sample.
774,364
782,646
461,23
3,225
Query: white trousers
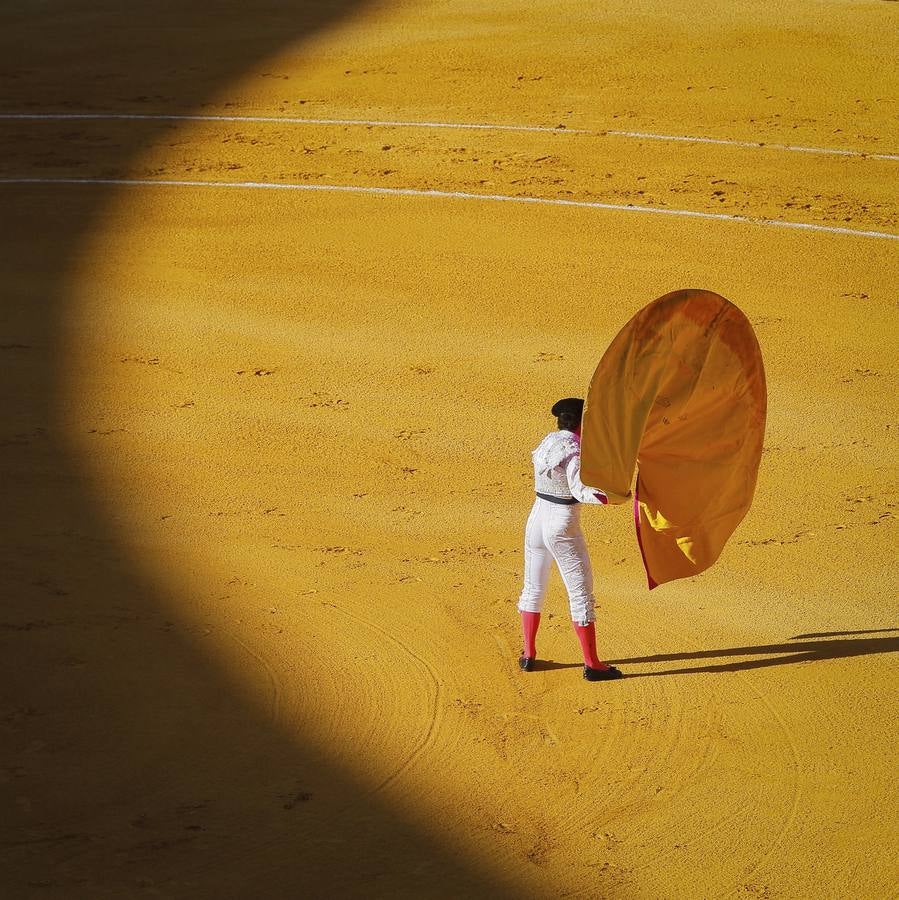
554,532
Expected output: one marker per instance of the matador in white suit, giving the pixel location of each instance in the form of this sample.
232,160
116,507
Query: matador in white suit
553,533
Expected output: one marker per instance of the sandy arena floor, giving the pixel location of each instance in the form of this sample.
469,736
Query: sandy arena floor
268,450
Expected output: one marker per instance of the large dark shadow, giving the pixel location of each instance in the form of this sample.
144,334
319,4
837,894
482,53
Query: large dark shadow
797,650
130,764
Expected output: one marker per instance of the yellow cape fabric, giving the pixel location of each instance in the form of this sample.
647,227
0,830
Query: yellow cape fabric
680,393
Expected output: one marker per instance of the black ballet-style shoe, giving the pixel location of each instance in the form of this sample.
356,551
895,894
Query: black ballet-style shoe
526,663
608,674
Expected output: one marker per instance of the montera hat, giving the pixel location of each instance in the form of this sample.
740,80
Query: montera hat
574,406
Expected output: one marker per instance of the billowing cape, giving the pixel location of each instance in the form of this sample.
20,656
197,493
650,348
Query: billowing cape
680,394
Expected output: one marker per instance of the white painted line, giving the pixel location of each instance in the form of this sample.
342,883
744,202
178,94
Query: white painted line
461,195
283,120
756,145
378,123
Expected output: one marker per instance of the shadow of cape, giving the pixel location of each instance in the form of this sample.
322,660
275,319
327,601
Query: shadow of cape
131,763
766,655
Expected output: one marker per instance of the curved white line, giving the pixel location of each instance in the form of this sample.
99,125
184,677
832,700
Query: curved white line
461,195
285,120
380,123
755,145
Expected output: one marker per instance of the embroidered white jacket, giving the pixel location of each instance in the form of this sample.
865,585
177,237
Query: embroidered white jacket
557,469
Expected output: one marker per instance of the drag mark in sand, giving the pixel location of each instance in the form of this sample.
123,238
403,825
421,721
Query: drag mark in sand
795,791
435,713
455,195
483,126
695,719
274,679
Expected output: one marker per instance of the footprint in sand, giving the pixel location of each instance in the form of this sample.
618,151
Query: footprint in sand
408,434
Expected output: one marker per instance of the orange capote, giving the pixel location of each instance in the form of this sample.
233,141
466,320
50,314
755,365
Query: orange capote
679,395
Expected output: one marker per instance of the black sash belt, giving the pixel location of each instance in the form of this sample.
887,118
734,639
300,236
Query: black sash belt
567,501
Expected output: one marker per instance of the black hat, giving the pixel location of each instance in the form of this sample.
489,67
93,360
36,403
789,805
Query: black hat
574,406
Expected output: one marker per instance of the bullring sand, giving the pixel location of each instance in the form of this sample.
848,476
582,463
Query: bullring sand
268,450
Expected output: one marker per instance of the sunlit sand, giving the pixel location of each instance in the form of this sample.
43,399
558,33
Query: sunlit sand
304,419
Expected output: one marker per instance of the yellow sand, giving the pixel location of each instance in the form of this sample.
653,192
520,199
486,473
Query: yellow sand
268,457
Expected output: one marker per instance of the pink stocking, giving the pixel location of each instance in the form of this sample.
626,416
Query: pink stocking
586,634
530,622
